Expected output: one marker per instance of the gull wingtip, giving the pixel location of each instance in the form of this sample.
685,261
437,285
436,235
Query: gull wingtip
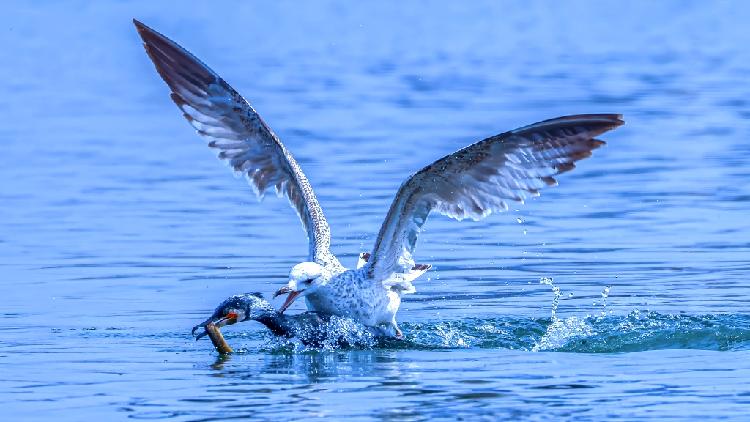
140,26
145,31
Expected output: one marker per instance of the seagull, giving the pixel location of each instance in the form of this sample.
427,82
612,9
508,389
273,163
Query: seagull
472,183
313,329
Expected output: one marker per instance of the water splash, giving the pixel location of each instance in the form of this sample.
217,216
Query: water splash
599,333
556,291
346,332
337,333
444,334
634,332
559,332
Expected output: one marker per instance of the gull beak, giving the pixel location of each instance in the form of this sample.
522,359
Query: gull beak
282,291
293,294
228,319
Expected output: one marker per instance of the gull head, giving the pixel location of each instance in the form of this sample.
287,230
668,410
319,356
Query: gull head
304,278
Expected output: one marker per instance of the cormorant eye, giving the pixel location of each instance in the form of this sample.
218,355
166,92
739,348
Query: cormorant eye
308,281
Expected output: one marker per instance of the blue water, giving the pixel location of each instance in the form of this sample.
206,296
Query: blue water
119,230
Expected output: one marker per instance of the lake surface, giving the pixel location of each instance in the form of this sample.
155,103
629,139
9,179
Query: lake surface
620,294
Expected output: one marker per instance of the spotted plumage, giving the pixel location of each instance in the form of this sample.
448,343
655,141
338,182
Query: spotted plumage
473,182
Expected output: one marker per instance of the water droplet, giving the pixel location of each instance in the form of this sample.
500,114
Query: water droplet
556,291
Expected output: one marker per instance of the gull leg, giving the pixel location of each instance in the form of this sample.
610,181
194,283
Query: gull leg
399,334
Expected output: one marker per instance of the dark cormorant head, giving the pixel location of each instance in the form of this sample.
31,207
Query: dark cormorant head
237,308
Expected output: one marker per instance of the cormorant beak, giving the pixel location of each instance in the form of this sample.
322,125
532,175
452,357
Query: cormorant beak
203,326
228,319
293,294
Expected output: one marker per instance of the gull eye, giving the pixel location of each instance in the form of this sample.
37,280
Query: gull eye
308,281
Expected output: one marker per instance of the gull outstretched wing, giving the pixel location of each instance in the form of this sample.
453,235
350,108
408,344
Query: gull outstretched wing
482,178
238,134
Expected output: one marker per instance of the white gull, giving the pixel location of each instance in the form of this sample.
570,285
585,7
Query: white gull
470,183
